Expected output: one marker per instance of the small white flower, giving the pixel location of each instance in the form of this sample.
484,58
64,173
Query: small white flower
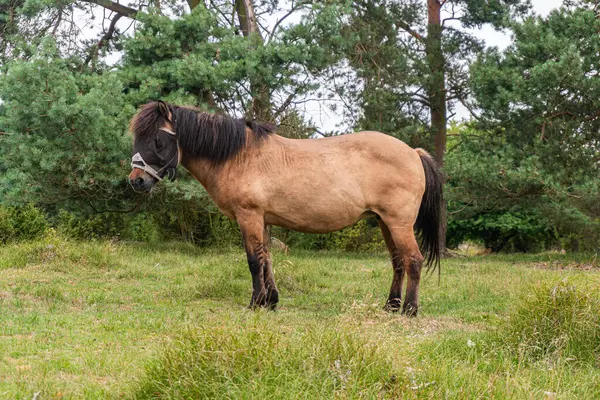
470,343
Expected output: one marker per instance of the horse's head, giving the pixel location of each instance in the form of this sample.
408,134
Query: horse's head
155,146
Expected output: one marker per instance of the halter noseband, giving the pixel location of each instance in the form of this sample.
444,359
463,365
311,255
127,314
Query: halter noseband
144,166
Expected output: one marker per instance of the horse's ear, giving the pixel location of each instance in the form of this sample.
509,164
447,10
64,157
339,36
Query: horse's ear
164,110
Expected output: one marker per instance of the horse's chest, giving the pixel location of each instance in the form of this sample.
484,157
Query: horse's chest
230,199
225,207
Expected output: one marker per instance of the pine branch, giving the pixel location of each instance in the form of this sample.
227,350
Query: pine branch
105,38
286,103
116,7
405,27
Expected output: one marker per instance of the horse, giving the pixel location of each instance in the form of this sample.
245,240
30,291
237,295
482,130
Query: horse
320,185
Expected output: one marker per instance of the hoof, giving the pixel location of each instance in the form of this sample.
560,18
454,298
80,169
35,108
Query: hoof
272,300
410,310
267,306
268,301
257,302
392,305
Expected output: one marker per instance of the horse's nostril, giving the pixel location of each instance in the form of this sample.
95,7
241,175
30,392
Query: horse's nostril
139,182
136,183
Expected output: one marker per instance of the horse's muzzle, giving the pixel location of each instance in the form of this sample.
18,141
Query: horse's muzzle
139,185
140,181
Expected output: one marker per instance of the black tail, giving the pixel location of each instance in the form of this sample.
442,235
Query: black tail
429,220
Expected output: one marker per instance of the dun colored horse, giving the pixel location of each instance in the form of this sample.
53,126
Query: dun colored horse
314,185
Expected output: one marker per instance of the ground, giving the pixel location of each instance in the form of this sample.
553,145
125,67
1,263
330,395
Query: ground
125,320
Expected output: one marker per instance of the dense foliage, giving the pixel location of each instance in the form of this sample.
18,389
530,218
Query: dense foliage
531,163
65,140
522,174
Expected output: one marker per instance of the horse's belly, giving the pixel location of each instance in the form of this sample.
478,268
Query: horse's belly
313,220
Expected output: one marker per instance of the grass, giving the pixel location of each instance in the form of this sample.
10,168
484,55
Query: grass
115,320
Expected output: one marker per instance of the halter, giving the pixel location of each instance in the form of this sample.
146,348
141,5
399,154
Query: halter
171,171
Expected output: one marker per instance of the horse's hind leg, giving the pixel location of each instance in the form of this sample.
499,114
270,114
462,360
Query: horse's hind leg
269,278
412,261
395,298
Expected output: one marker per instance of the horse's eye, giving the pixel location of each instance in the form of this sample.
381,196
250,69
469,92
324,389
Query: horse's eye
158,143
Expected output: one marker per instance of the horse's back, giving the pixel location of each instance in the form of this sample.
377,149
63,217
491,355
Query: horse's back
326,184
370,160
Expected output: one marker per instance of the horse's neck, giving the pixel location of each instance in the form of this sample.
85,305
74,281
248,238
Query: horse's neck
204,171
219,180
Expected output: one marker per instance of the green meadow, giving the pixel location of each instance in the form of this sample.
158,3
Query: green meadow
106,319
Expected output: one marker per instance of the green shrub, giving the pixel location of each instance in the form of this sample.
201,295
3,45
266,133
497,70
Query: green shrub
142,228
184,211
223,231
581,242
31,223
7,228
364,236
90,227
360,237
502,231
577,232
300,240
22,223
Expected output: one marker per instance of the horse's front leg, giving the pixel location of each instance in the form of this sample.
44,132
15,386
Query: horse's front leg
271,288
253,228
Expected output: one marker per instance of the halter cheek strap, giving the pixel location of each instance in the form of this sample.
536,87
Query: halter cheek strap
144,166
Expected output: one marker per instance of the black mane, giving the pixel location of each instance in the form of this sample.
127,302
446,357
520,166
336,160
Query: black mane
214,137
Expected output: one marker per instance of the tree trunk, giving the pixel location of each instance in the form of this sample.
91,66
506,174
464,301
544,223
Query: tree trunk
247,18
193,3
261,98
436,91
